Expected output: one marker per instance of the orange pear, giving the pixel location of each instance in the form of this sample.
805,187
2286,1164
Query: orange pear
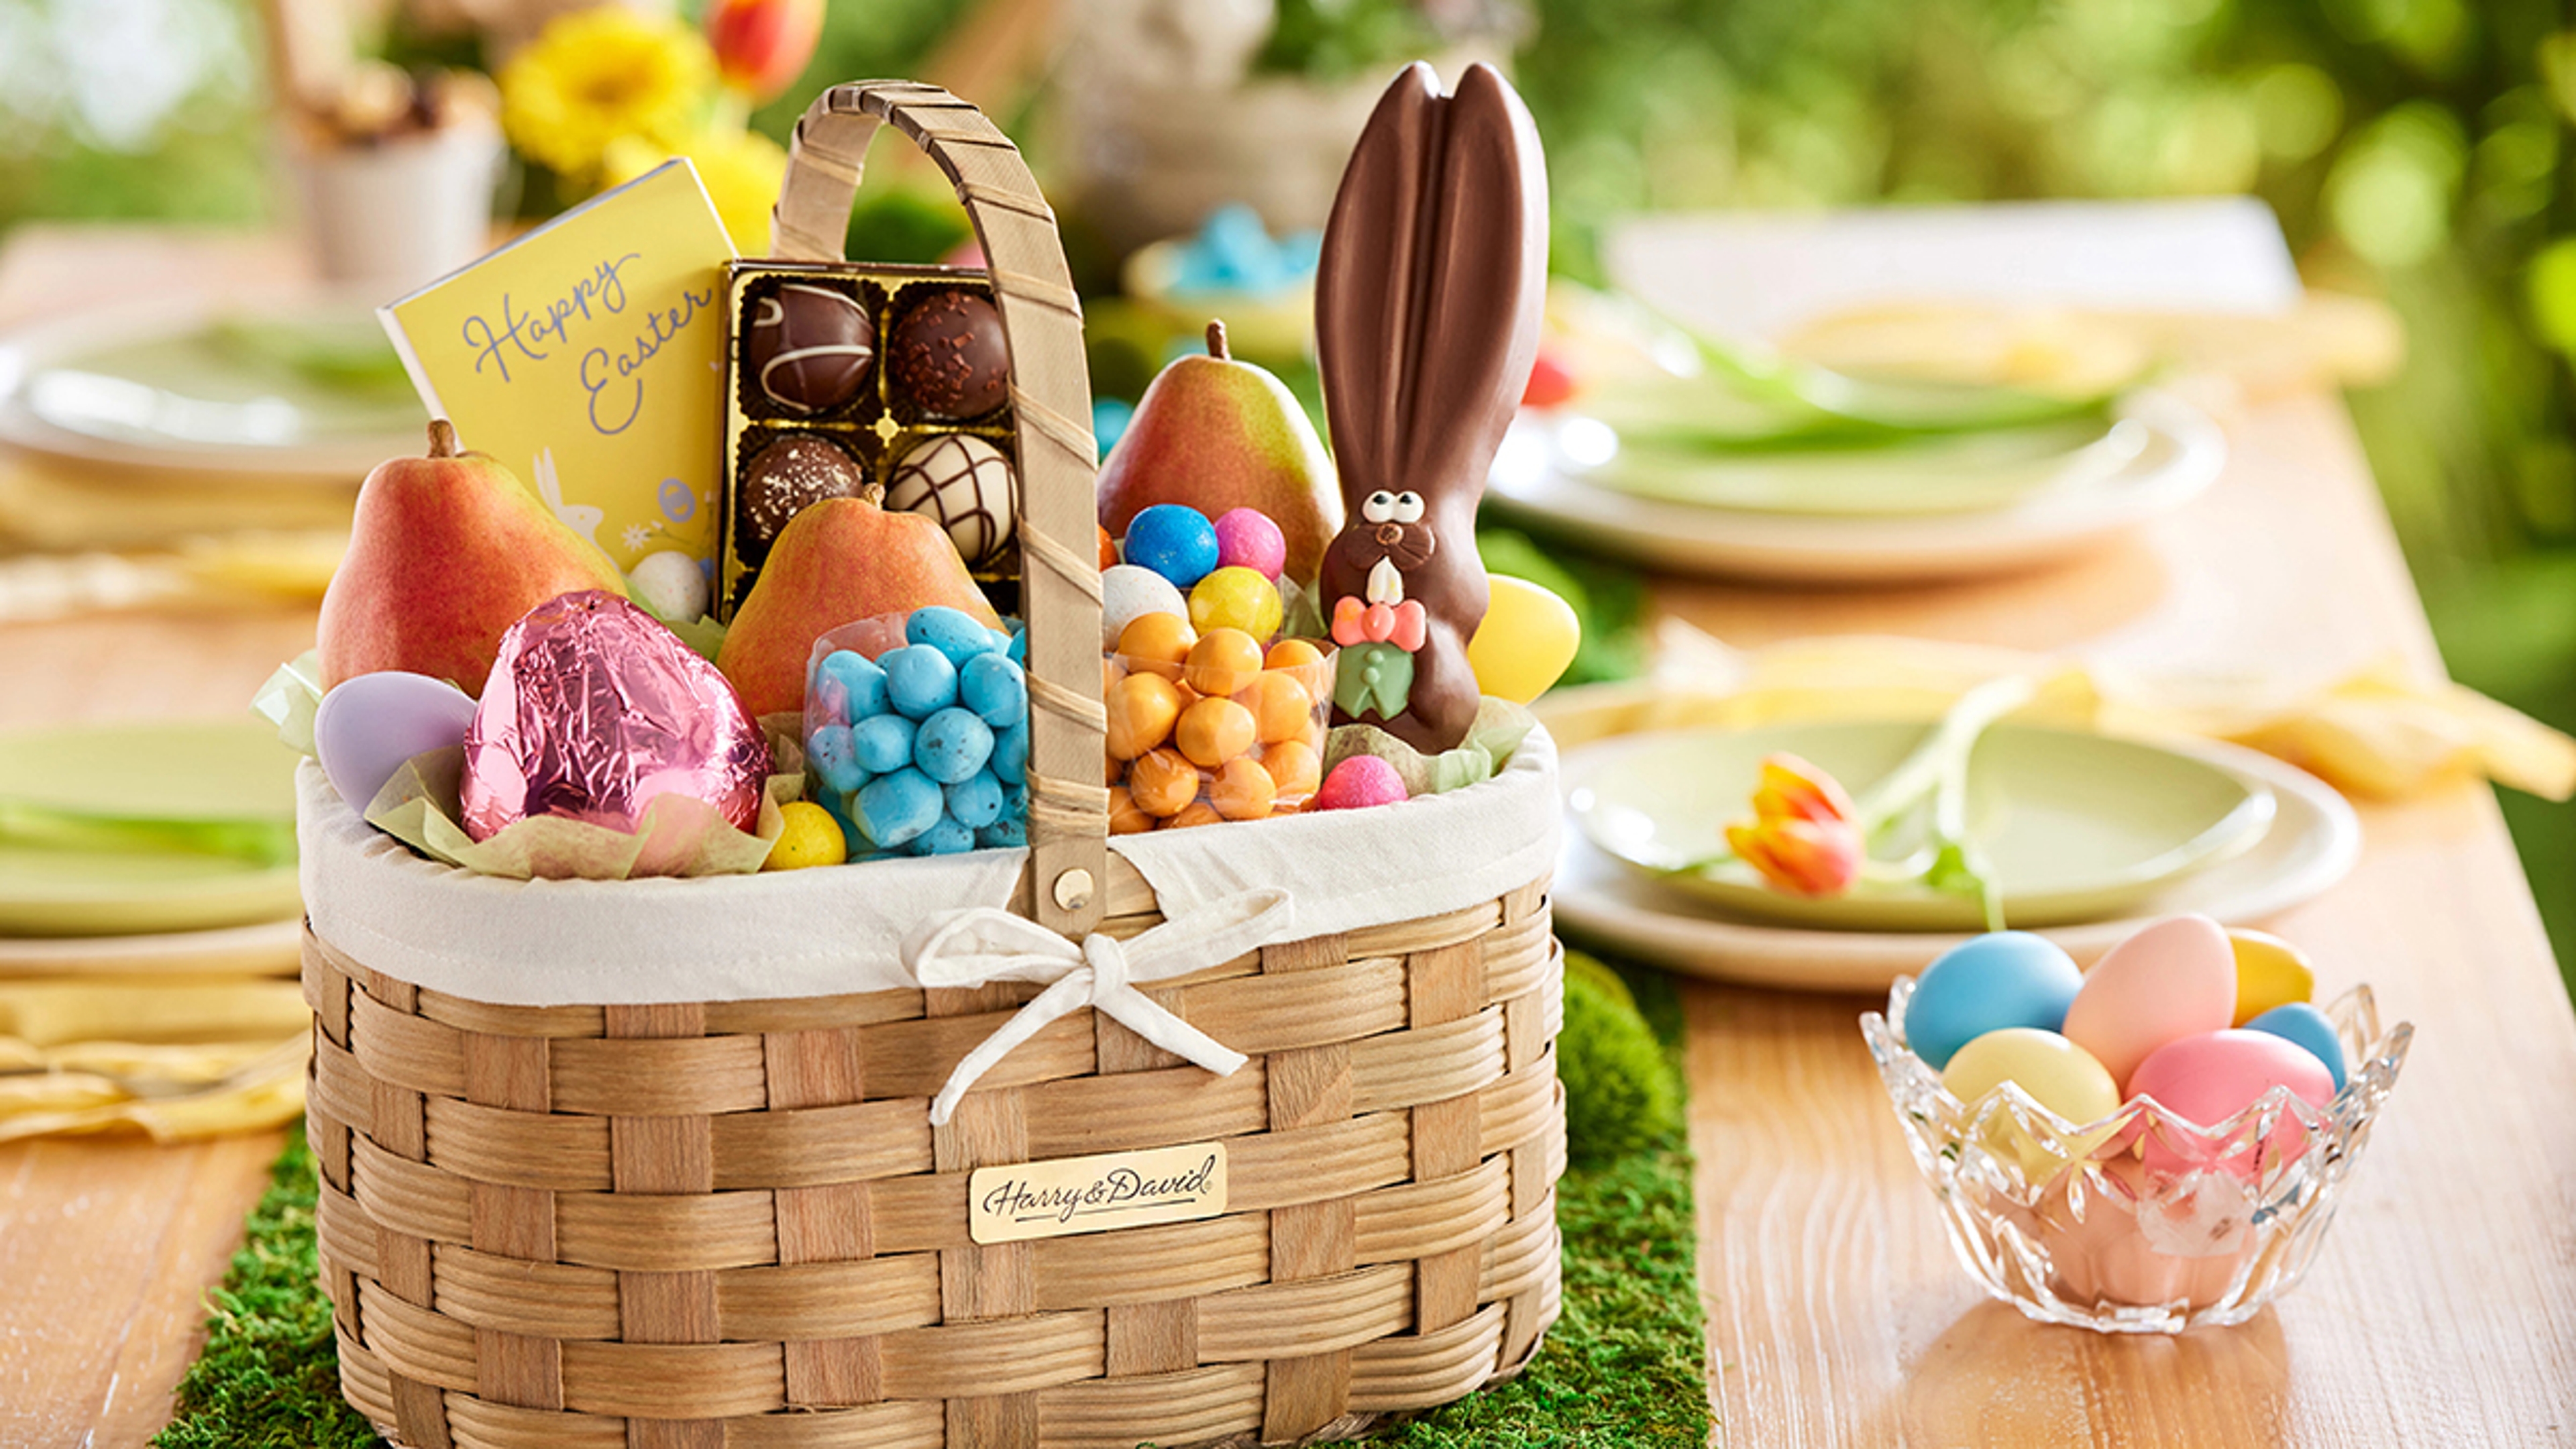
1218,434
446,552
837,562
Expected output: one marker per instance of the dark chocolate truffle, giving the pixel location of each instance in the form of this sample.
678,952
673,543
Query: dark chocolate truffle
808,347
948,356
782,481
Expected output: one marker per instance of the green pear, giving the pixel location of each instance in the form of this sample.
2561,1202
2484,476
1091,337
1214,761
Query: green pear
445,553
837,562
1217,434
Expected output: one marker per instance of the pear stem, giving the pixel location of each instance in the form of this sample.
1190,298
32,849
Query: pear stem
1216,341
442,439
871,492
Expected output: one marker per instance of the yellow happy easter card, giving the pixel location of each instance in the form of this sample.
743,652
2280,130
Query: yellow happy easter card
588,356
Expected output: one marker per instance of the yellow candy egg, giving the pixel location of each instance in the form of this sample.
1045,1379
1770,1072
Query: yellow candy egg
2270,972
1141,712
2055,1072
1293,654
1528,637
1236,598
1243,790
812,837
1222,662
1281,708
1156,644
1213,731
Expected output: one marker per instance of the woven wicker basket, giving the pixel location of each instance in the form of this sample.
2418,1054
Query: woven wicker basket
732,1223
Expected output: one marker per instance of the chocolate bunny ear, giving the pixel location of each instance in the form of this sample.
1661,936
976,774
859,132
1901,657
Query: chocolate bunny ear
1428,299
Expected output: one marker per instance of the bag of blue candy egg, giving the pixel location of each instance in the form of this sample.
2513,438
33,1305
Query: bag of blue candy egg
917,733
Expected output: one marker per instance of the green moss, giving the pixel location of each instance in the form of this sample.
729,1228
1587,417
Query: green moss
268,1378
1622,1095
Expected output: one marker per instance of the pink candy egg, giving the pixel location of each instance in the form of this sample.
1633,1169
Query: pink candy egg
1357,783
1246,538
2213,1076
2174,979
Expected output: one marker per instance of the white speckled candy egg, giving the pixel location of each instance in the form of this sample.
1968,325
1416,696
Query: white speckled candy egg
1128,591
1987,983
2173,979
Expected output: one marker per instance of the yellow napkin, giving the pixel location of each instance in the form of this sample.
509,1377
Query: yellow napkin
176,1057
2380,732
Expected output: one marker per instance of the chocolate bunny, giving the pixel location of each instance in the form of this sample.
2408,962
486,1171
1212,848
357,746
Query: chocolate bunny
1427,308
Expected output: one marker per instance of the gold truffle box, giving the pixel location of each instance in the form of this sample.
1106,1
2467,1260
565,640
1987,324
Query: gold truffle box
733,1222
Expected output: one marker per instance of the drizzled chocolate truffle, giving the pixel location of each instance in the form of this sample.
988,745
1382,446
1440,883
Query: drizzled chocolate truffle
949,358
808,347
782,480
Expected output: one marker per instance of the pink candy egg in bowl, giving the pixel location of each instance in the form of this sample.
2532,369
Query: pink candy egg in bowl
2077,1223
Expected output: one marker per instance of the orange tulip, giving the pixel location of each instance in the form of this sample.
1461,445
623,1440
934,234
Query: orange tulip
762,46
1803,837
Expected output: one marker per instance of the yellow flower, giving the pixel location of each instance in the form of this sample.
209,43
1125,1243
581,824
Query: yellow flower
594,77
740,169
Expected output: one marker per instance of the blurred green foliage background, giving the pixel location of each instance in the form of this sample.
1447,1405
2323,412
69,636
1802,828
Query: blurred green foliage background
2416,149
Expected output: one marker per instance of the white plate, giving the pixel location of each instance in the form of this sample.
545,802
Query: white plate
1533,482
142,385
2313,842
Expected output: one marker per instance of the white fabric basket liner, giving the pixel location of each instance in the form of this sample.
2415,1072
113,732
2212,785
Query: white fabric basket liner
840,930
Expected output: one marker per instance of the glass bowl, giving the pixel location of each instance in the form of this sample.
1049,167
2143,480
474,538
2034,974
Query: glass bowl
2143,1222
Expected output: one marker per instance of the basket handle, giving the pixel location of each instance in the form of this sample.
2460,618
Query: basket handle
1050,396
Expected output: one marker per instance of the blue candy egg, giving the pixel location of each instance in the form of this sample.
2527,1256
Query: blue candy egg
920,680
1002,834
1019,650
862,683
952,745
1174,540
2303,1025
995,689
1011,753
895,808
833,754
975,801
2001,979
945,838
952,632
882,744
845,813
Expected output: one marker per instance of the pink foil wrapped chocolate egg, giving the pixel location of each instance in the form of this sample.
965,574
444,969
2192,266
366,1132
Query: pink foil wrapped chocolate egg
594,711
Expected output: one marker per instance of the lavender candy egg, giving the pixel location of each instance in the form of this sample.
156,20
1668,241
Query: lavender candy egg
594,711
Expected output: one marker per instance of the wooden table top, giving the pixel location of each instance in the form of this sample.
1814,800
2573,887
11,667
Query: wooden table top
2441,1311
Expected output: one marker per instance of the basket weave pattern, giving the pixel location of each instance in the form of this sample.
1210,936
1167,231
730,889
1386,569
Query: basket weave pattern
731,1223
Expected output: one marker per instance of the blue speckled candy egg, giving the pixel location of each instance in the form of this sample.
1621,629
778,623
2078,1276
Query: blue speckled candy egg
862,683
975,801
895,808
1011,753
920,680
952,745
948,837
834,757
882,744
2001,979
995,688
2304,1025
953,632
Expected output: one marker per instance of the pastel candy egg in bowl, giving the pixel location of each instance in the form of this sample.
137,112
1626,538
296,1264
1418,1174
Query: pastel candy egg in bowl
2143,1218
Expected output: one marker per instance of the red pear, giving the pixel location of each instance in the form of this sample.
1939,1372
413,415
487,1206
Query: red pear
837,562
1217,434
445,553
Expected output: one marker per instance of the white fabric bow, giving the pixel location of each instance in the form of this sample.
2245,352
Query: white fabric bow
980,945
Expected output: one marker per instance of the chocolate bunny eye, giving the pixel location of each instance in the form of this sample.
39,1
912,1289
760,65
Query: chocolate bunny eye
1408,507
1380,507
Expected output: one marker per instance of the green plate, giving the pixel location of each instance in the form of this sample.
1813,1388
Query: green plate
134,828
2078,827
1933,475
49,891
